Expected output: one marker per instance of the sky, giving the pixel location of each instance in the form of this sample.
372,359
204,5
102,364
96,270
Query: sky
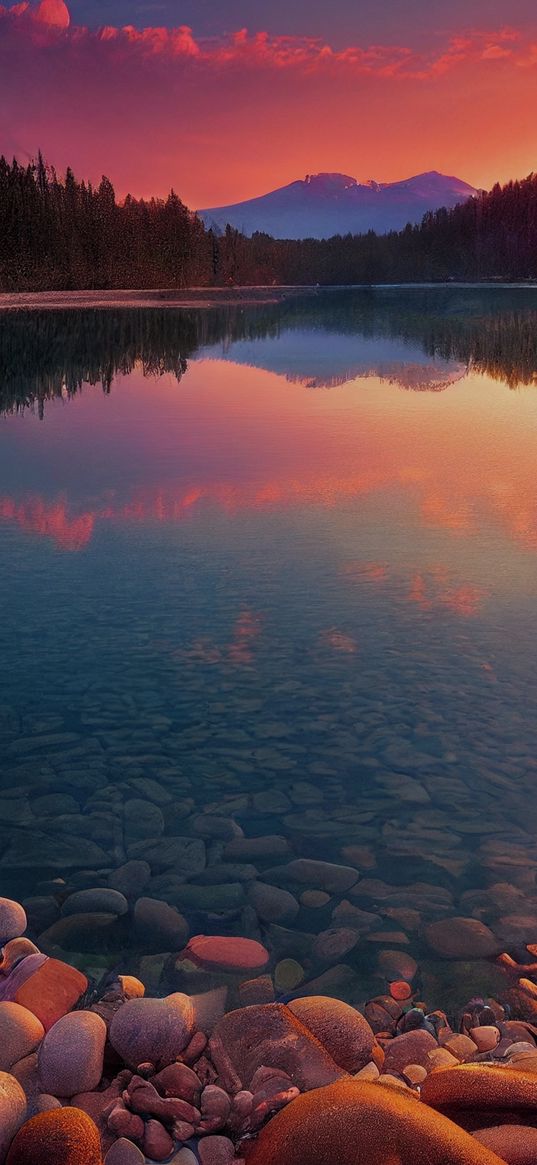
227,99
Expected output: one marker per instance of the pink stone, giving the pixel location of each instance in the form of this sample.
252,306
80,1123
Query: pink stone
157,1030
157,1142
216,1151
226,953
179,1080
410,1048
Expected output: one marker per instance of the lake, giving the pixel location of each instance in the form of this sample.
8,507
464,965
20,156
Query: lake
270,570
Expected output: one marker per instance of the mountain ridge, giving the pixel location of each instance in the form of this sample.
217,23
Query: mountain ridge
328,203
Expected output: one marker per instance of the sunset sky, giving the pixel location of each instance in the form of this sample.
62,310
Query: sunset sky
226,99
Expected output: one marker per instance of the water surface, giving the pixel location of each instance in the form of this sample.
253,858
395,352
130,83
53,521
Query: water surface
286,547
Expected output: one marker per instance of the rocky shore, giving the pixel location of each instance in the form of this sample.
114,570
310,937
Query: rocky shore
241,1060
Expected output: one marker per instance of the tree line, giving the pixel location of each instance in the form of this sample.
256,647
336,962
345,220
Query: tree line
58,233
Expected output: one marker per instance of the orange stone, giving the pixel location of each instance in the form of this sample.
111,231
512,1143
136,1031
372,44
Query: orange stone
52,991
353,1122
226,953
481,1086
62,1136
400,990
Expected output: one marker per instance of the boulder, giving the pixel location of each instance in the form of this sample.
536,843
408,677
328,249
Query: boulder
354,1122
13,1108
20,1034
269,1035
13,920
344,1032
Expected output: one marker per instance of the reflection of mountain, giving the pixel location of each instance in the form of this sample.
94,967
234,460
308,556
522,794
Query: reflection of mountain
421,339
321,359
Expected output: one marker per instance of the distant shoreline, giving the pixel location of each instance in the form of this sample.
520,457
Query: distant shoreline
211,297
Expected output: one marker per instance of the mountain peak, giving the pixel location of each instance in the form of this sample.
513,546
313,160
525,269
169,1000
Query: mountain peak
326,204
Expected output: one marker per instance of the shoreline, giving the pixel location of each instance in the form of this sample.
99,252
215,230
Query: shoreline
197,1073
206,298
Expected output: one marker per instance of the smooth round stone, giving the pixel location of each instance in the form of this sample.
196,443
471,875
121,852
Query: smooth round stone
13,920
124,1152
514,1144
288,974
220,952
354,1122
158,926
333,944
314,899
72,1053
272,904
64,1136
98,901
410,1048
185,1156
397,965
20,1034
400,990
414,1073
486,1038
481,1086
216,1151
130,879
344,1032
13,1106
152,1031
462,938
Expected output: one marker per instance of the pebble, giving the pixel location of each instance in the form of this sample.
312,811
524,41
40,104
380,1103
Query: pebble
272,904
216,1151
226,953
13,921
485,1038
12,1110
288,974
124,1152
158,926
462,938
20,1034
70,1058
101,900
314,899
326,876
154,1030
64,1136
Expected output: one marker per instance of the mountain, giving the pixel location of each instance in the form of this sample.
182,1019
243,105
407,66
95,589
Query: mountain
323,205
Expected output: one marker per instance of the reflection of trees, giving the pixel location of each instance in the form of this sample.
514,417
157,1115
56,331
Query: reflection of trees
50,354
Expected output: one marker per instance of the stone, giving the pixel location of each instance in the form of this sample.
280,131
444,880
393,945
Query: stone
41,910
485,1038
482,1087
20,1034
212,826
185,1156
462,938
460,1046
226,953
354,1122
178,1080
272,904
130,879
259,990
332,945
216,1151
272,1036
64,1136
124,1152
252,849
13,1107
52,991
157,1143
397,965
72,1053
288,974
79,932
13,920
319,875
314,899
101,900
514,1144
414,1074
410,1048
341,1029
158,926
152,1030
143,820
400,990
185,855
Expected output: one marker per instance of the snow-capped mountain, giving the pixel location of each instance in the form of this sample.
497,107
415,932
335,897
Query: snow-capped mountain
322,205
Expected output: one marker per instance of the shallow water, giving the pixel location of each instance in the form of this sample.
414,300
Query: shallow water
289,547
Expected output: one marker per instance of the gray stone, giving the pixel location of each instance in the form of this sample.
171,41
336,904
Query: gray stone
158,926
101,901
186,855
272,904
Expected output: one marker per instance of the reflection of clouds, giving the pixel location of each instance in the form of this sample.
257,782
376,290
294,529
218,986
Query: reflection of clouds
431,589
338,641
239,651
51,520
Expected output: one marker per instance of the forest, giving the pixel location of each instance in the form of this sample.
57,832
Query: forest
59,233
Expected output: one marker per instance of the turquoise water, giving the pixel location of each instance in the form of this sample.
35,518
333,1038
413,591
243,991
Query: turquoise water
284,548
